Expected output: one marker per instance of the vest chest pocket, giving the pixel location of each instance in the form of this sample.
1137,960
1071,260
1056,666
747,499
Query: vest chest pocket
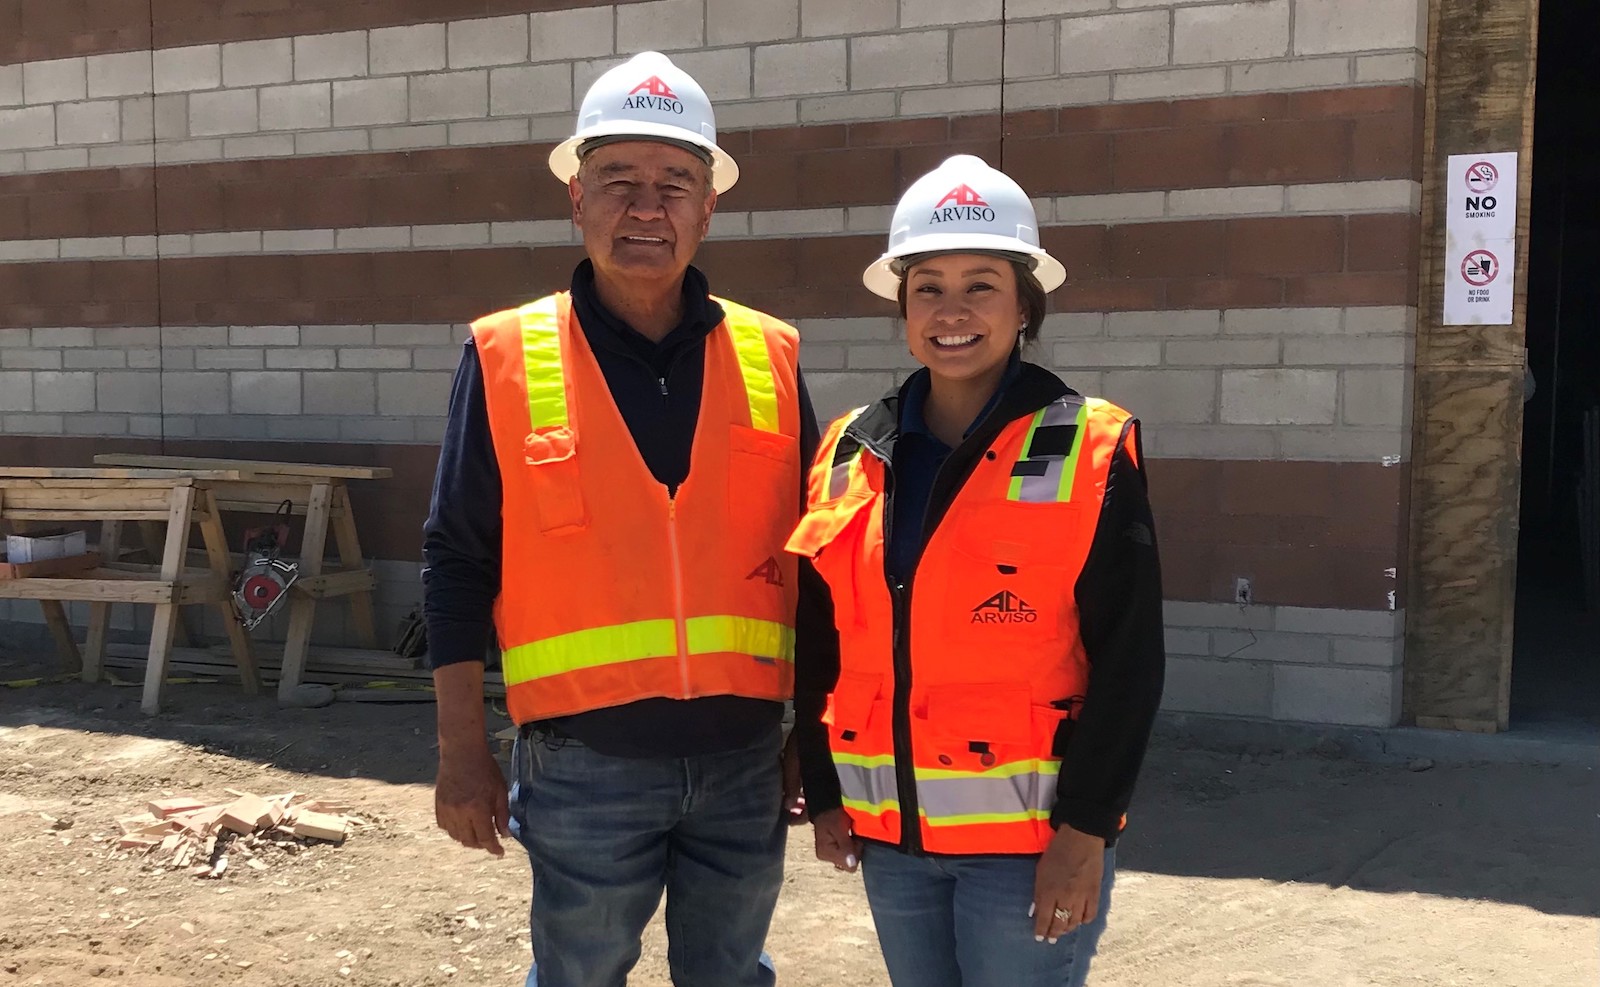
763,487
551,471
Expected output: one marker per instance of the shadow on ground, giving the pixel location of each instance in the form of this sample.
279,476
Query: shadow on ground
1520,834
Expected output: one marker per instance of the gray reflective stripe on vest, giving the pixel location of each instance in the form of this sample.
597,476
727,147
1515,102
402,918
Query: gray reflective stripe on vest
1047,477
947,800
867,783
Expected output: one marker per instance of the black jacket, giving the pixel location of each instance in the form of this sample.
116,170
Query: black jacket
656,387
1119,602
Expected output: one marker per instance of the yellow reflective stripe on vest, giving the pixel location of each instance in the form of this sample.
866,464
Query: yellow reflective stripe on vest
755,365
1022,791
1045,474
762,639
598,646
541,363
839,473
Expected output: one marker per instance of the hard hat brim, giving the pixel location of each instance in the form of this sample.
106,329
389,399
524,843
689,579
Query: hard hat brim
564,158
883,280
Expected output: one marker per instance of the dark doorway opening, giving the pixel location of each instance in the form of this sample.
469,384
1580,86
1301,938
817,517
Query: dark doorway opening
1555,681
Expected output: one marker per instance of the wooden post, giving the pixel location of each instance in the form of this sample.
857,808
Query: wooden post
216,543
344,530
1467,425
302,608
179,518
94,645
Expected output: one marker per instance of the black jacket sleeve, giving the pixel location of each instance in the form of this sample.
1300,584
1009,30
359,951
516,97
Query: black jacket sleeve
1119,605
461,538
816,659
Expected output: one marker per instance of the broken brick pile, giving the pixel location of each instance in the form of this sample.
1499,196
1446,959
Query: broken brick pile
195,834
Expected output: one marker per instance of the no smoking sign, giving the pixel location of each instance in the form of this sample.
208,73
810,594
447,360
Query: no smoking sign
1480,239
1482,177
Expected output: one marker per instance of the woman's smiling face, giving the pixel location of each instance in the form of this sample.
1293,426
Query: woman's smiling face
963,313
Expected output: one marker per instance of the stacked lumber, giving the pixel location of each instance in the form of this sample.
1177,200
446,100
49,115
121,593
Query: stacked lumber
198,835
324,666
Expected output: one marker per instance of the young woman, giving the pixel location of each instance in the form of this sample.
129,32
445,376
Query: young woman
987,540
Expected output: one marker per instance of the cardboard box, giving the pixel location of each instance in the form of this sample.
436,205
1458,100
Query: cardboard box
43,547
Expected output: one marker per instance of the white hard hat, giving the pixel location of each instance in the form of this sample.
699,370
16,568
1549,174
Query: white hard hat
962,206
650,98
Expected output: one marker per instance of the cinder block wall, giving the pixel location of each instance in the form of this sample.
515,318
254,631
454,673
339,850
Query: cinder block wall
257,230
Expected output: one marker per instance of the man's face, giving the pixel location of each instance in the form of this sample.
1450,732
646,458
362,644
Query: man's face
643,208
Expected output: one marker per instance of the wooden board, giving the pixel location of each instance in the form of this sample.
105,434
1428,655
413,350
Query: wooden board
246,466
103,473
1467,432
49,567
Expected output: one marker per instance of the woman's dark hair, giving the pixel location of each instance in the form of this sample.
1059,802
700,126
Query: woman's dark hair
1029,291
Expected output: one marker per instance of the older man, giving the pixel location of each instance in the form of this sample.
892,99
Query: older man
621,469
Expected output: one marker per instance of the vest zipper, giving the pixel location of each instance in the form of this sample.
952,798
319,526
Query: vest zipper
900,726
679,623
662,381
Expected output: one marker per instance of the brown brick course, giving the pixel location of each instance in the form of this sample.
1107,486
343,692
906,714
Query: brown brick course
38,29
1224,141
1306,534
1201,264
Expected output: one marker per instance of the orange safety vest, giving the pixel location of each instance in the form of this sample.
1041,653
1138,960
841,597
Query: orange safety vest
611,590
989,628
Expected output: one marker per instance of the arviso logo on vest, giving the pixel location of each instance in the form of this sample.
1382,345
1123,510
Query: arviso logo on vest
653,94
962,203
1005,607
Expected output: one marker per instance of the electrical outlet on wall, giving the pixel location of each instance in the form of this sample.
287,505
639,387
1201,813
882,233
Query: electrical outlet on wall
1243,593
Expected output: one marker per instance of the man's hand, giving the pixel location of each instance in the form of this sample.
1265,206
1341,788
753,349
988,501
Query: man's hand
794,798
1066,884
469,796
469,800
836,844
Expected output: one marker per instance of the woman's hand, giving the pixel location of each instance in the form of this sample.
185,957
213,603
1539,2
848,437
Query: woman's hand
1066,885
835,842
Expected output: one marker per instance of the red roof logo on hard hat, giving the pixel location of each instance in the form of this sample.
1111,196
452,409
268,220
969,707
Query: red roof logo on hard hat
962,195
655,87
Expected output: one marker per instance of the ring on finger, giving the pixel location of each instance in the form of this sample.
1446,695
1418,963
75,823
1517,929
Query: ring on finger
1063,915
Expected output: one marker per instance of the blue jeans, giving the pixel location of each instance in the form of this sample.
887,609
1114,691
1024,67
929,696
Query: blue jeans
606,835
963,922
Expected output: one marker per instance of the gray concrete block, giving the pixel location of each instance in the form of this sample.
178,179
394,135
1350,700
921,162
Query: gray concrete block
194,393
1231,32
302,358
895,61
724,74
374,359
16,391
819,18
20,359
734,22
330,56
264,336
400,50
1385,624
257,63
1204,685
238,358
123,73
559,35
415,393
1156,325
364,102
1329,694
33,126
304,428
63,392
56,80
832,394
1273,646
268,392
1221,353
96,424
11,85
1281,321
340,393
131,391
1380,398
178,336
1327,26
488,41
450,96
1279,397
299,107
663,25
1105,42
229,111
336,335
530,89
189,69
94,359
1168,84
1161,396
32,424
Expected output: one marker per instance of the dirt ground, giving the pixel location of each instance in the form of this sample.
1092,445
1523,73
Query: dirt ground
1247,868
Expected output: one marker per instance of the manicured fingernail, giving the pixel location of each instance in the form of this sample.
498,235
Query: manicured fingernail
849,860
1038,938
1051,941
